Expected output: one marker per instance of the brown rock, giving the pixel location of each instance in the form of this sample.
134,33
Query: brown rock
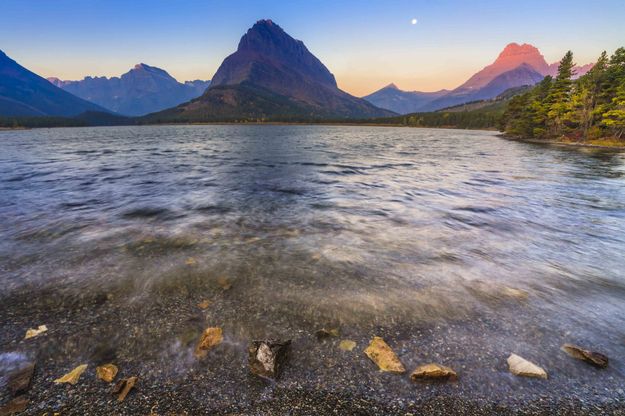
595,358
224,283
33,332
266,358
380,353
123,387
106,372
204,304
210,337
347,345
17,405
19,380
433,371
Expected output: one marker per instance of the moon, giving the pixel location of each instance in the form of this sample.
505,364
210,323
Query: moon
414,21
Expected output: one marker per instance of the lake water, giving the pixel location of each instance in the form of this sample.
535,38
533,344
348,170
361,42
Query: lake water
458,247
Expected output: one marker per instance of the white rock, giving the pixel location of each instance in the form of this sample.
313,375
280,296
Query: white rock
521,367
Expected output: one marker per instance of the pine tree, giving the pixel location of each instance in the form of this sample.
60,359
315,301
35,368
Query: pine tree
559,97
614,119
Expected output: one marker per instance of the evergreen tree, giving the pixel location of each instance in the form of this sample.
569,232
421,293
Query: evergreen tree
559,97
614,119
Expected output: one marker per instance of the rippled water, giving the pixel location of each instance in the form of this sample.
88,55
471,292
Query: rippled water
456,246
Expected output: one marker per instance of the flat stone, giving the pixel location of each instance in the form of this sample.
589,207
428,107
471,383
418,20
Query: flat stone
380,353
267,358
210,337
73,376
106,372
521,367
592,357
19,380
433,371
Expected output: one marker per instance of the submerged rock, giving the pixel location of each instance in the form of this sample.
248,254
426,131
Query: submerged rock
347,345
204,304
521,367
433,371
224,283
73,376
327,333
210,337
33,332
19,380
380,353
595,358
106,372
266,358
123,387
17,405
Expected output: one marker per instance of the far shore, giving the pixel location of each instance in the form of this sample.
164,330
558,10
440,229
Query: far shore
594,144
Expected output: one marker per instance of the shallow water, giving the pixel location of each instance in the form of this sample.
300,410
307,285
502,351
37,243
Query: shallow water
457,247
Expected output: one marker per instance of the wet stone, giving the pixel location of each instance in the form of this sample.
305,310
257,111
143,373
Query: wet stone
324,333
385,358
19,380
433,372
16,405
267,358
210,338
123,387
521,367
592,357
106,372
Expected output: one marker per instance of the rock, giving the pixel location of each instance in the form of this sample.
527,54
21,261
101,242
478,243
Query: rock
347,345
210,337
595,358
19,380
204,304
73,376
224,283
433,371
515,293
123,387
191,261
326,333
266,358
521,367
380,353
37,331
17,405
106,372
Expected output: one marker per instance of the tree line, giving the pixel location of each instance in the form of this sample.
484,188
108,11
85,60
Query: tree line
590,107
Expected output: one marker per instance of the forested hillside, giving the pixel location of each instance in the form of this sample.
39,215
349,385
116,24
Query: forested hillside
588,109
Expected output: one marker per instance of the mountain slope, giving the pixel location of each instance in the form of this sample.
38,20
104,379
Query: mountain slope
402,102
522,75
24,93
271,76
142,90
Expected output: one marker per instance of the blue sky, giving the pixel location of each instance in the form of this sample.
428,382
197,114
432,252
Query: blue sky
366,44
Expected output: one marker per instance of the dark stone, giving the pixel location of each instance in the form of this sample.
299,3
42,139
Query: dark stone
267,358
592,357
326,333
17,405
19,380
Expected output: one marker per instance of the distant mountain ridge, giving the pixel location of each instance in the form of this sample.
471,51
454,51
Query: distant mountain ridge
402,102
24,93
142,90
272,76
515,66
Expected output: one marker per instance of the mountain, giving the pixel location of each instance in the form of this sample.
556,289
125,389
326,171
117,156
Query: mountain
142,90
272,76
578,70
24,93
516,66
402,102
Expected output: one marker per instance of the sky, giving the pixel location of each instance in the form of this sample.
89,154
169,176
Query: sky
366,44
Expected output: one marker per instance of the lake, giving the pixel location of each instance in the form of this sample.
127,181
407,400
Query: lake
457,247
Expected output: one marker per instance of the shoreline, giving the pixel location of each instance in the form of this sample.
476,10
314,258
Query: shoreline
560,143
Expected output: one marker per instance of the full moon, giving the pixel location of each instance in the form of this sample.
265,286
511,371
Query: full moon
413,21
